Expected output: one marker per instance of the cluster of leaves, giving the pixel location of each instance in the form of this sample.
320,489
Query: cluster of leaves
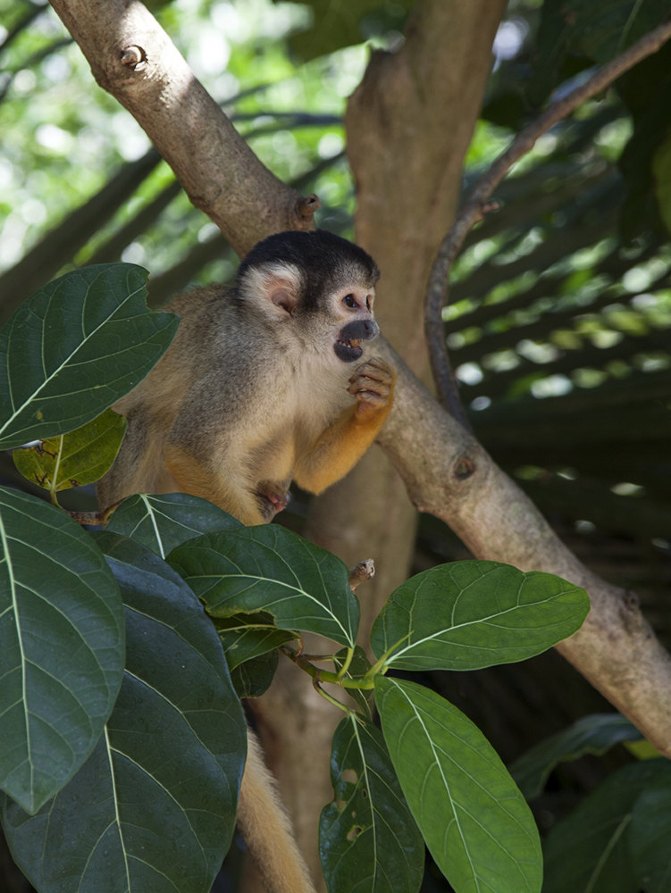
616,839
122,738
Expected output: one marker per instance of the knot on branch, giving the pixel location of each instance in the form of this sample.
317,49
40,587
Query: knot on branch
306,207
464,468
134,57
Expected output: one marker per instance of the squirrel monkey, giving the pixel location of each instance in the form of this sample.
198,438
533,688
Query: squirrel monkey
267,382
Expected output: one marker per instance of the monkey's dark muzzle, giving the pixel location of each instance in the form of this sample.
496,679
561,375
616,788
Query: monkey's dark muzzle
348,344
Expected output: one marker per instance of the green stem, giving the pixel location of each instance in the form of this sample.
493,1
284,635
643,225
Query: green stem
365,682
330,698
345,667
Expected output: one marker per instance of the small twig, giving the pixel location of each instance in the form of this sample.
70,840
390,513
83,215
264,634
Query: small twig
361,573
478,204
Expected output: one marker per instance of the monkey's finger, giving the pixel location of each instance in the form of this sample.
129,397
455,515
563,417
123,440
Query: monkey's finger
365,384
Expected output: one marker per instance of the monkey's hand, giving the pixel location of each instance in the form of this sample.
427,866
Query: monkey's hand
373,386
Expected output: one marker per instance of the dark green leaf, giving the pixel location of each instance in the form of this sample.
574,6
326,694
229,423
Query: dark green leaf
253,678
662,180
271,569
474,820
592,734
161,523
153,809
368,840
593,31
649,836
75,347
589,849
472,614
61,648
248,636
337,25
72,460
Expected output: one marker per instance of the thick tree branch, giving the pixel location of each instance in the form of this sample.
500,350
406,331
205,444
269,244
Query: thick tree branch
450,475
445,470
477,205
133,58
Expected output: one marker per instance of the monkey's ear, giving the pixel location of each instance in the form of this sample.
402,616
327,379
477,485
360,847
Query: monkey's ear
278,286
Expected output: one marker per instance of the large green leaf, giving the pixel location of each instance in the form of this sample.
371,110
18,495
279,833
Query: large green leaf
271,569
161,523
474,820
472,614
61,648
368,840
590,849
75,347
74,459
153,809
592,734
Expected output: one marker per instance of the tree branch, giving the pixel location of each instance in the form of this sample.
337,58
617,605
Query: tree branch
449,475
477,205
133,58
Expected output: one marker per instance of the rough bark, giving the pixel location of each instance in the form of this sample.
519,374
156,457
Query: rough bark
445,471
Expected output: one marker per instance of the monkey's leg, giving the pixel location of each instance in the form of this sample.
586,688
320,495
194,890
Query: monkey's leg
229,491
342,445
267,830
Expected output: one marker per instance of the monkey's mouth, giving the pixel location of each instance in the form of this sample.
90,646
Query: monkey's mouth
348,350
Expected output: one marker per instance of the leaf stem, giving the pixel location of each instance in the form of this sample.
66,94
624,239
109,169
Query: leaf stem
336,703
364,682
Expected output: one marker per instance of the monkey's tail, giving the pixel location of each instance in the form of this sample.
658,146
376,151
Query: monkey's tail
267,829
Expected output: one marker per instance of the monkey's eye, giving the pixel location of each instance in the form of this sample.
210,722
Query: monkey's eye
351,302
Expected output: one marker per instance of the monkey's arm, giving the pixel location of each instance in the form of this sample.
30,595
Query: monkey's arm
341,446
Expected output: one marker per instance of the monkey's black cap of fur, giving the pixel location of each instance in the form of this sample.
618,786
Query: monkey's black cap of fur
321,256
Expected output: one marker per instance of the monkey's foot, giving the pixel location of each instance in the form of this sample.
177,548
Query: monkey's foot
272,497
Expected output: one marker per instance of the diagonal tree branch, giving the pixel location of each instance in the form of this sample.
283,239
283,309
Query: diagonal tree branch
133,58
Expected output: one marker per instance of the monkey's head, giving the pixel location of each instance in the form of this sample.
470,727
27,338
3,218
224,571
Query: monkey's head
320,286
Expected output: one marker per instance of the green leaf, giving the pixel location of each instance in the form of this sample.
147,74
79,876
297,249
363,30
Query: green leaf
649,838
474,820
75,347
161,523
253,678
594,31
61,648
368,840
472,614
592,734
72,460
248,636
153,809
589,849
271,569
337,25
